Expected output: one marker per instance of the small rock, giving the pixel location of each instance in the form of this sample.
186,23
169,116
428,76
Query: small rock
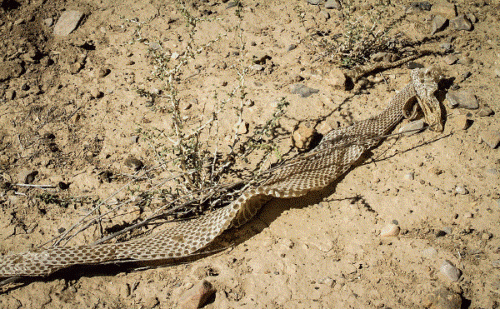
48,22
429,253
421,5
462,99
134,139
460,23
461,190
491,138
242,127
485,111
436,171
450,59
291,47
412,127
390,230
313,2
450,271
461,122
333,4
68,22
96,93
486,236
325,15
75,67
337,79
26,176
468,215
447,10
256,67
443,299
303,136
150,302
134,163
232,4
197,296
409,176
10,94
471,17
103,72
446,47
439,23
303,90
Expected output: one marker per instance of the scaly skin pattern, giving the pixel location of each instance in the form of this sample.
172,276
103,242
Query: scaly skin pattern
339,150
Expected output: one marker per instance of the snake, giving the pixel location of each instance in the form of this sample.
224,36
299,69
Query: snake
337,152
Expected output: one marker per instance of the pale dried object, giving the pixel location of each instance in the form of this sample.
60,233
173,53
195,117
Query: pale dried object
336,154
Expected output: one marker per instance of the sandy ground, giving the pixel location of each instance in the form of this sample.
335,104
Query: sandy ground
74,108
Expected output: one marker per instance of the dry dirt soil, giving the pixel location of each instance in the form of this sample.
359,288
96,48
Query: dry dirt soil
74,109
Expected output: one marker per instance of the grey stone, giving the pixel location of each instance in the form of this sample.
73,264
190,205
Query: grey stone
413,127
446,46
491,138
291,47
67,23
450,271
197,296
303,90
471,17
462,99
460,23
439,23
313,2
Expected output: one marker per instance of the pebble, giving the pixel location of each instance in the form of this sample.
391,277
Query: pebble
103,72
242,127
450,271
336,79
438,24
390,230
291,47
412,127
450,59
446,47
134,163
325,15
67,23
313,2
429,252
461,23
448,10
462,99
48,22
197,296
485,111
409,176
303,90
495,263
256,67
303,136
491,138
96,93
461,122
27,176
443,299
333,4
421,5
461,190
10,94
486,236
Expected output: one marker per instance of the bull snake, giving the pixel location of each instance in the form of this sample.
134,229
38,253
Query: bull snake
338,151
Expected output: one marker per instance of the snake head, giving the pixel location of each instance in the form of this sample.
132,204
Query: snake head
425,82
